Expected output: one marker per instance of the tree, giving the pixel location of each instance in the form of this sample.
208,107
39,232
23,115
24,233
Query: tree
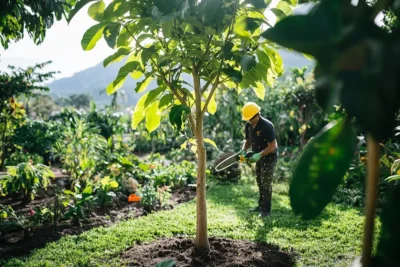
216,42
31,16
357,69
20,82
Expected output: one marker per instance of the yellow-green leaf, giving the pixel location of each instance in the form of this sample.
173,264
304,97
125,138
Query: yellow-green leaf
91,36
211,142
284,6
136,74
96,10
111,88
139,112
153,117
105,180
259,90
143,85
114,184
212,105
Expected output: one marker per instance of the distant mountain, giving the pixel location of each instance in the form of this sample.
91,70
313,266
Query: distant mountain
94,81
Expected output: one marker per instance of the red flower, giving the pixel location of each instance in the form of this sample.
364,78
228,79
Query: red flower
31,212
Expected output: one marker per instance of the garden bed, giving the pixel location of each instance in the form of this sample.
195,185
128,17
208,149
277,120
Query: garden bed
14,244
224,252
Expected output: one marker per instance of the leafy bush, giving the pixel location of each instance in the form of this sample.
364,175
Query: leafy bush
80,149
80,201
38,137
104,191
27,179
20,157
148,194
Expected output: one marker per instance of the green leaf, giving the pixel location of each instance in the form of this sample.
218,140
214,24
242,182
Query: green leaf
177,115
258,4
91,36
143,166
393,178
166,263
166,100
227,50
240,27
248,62
321,168
111,32
114,184
115,9
139,112
212,105
211,142
278,13
117,56
292,2
141,86
105,180
209,9
124,38
78,6
294,31
87,191
259,90
153,94
153,117
121,77
235,75
96,10
284,6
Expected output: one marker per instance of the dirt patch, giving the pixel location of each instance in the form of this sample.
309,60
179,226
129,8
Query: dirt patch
224,252
14,244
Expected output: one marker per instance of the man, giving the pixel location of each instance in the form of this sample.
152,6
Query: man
260,136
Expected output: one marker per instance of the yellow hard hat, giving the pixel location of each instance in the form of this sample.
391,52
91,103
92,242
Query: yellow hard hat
249,110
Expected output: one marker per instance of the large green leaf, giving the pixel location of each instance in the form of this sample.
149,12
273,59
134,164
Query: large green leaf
111,32
139,112
258,4
166,100
259,90
96,10
153,117
177,115
211,142
248,62
284,6
295,31
153,94
117,56
235,75
321,168
91,36
115,9
78,6
292,2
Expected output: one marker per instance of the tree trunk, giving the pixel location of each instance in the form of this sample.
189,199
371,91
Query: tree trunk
371,197
201,243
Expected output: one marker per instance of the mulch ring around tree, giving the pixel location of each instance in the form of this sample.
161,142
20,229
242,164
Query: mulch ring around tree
223,252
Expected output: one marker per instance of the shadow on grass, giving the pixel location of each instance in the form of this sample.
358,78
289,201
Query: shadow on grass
243,195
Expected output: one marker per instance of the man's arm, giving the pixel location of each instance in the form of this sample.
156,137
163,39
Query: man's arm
272,146
246,145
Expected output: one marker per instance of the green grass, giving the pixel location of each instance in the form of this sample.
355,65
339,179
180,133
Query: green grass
333,239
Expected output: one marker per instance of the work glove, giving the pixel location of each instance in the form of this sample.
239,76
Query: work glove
256,157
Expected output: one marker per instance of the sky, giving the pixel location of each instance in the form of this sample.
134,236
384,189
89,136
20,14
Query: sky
62,45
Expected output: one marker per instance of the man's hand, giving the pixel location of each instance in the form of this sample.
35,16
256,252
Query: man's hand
256,157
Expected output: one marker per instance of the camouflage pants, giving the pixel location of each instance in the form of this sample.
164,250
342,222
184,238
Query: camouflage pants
265,168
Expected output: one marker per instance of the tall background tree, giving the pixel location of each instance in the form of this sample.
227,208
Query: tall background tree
34,17
214,42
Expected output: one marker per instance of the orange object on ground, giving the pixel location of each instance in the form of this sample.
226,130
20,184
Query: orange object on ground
134,198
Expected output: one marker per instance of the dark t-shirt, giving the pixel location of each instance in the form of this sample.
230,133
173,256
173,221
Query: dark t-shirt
261,135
